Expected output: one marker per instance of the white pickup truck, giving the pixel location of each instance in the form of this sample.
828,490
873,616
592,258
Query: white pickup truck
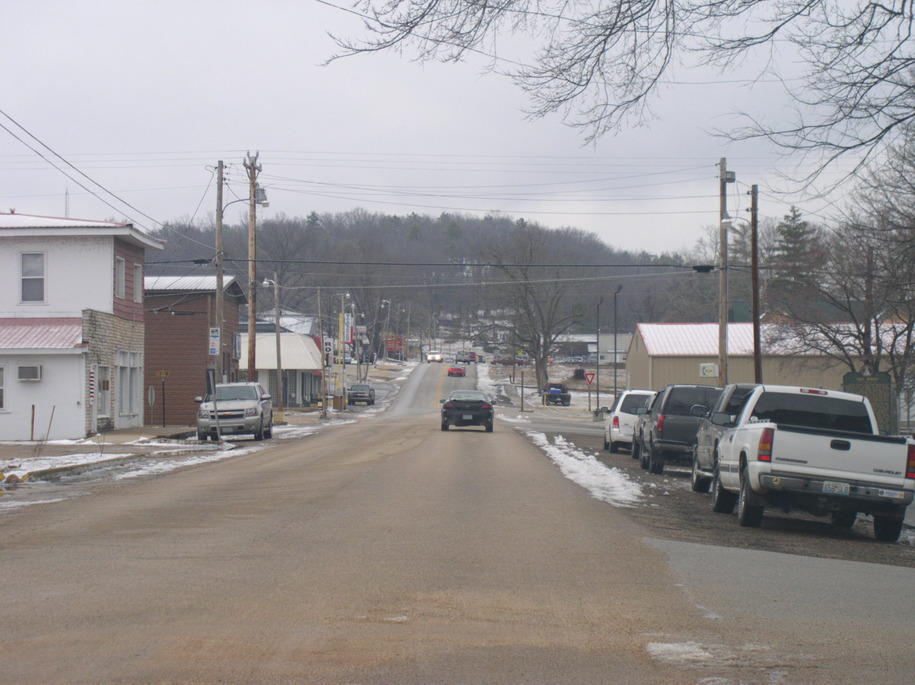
814,450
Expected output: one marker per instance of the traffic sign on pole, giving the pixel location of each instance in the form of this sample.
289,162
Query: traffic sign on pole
589,377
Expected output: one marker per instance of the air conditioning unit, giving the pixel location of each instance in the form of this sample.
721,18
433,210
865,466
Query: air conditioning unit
30,373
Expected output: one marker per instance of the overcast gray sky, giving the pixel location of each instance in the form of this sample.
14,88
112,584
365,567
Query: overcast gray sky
145,96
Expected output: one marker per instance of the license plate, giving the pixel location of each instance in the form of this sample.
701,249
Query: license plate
468,417
833,488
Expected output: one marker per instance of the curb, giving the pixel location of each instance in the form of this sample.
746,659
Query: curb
58,472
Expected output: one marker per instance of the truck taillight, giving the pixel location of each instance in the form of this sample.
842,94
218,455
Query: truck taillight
910,463
660,421
764,451
616,421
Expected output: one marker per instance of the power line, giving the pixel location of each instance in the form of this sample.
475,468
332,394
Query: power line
69,164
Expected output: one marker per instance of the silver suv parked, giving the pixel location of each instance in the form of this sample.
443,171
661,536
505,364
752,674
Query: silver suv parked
241,408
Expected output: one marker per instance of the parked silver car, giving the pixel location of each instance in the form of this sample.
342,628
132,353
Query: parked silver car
241,407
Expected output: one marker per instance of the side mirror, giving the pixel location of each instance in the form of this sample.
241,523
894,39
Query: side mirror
698,410
441,401
198,400
605,410
721,418
266,397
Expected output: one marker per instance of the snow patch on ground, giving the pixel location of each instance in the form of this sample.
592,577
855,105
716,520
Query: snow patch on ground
29,464
605,483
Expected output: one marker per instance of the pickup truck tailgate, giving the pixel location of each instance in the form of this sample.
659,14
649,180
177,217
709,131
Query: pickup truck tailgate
840,455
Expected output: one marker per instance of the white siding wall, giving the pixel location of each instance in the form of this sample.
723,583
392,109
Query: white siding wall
78,276
60,391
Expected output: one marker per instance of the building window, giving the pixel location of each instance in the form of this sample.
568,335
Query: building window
138,283
33,277
120,277
104,391
129,370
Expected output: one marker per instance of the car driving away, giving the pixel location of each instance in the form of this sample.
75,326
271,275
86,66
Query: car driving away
456,371
240,407
467,408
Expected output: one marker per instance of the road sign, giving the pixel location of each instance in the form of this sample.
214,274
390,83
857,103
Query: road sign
589,377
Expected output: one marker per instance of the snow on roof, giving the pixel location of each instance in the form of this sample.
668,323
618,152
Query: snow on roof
44,334
13,220
694,339
298,352
17,225
184,283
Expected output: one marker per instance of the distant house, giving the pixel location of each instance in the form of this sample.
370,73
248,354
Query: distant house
663,353
180,311
71,326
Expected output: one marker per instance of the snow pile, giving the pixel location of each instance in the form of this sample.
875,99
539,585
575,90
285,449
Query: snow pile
607,484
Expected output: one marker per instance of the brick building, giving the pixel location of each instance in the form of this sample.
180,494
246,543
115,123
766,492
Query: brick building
180,312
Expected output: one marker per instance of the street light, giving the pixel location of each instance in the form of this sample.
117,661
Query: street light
384,331
615,354
276,325
597,371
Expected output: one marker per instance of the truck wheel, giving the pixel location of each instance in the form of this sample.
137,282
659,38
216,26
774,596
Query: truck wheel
202,437
259,433
655,460
635,452
844,518
607,446
489,426
444,425
723,501
887,528
748,515
698,482
643,457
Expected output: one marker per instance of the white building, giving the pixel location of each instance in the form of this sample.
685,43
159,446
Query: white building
71,326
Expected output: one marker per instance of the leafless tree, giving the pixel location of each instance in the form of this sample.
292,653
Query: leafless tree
601,63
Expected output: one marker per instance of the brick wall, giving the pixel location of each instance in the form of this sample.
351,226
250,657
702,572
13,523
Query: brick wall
125,307
105,334
177,342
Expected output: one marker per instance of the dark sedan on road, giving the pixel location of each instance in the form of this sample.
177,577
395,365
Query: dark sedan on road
467,408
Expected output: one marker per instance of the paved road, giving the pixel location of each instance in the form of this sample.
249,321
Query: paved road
388,551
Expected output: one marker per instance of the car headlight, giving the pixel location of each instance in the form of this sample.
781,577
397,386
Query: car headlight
252,411
203,413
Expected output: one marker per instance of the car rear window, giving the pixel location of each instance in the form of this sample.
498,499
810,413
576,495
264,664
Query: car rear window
813,411
682,400
632,402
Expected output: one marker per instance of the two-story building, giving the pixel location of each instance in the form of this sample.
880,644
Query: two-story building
71,326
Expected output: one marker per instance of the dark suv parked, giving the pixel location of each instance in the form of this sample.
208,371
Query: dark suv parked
667,428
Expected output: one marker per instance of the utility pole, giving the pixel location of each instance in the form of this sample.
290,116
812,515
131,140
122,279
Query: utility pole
279,358
754,279
724,177
253,169
324,365
219,273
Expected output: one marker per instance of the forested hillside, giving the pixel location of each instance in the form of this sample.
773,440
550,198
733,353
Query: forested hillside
449,268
